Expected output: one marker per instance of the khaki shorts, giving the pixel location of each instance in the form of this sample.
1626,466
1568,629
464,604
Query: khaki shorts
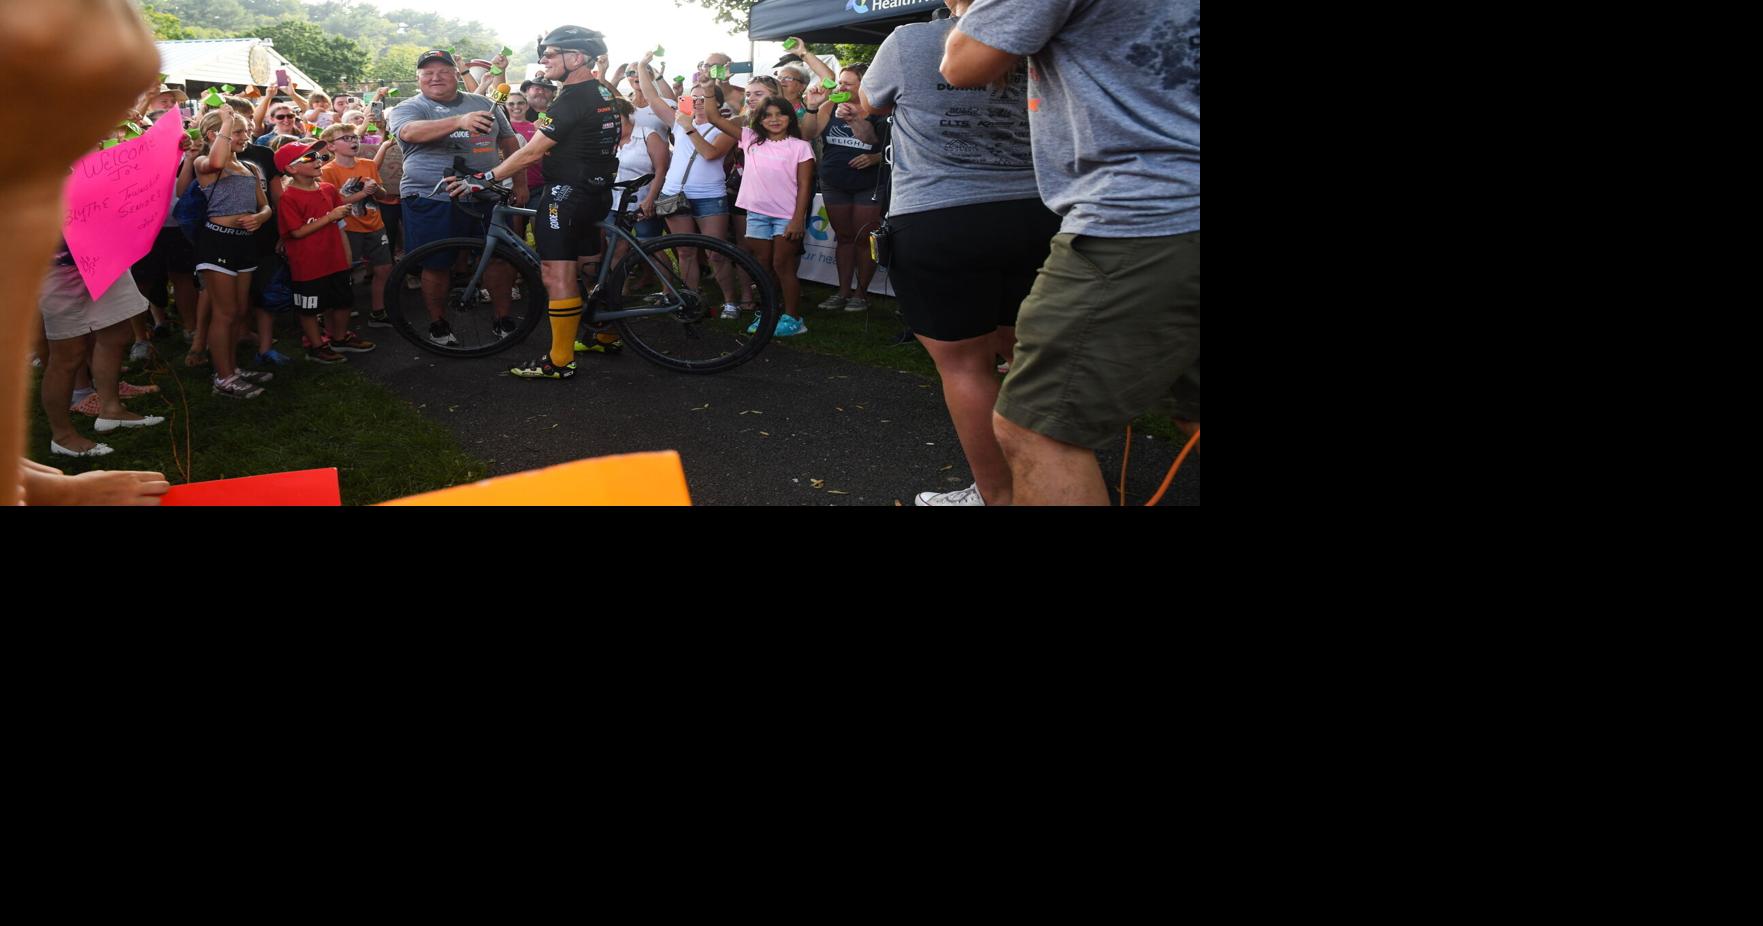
1111,327
70,312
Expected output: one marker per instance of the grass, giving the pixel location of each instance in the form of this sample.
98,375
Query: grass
382,447
320,417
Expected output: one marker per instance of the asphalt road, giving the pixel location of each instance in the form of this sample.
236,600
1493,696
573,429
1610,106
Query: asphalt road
761,434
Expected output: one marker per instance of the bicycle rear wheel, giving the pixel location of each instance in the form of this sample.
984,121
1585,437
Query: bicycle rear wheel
690,337
470,315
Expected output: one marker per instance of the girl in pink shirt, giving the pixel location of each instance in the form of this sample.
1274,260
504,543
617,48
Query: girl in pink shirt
776,190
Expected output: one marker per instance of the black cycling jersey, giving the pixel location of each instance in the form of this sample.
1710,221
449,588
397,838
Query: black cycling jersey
585,127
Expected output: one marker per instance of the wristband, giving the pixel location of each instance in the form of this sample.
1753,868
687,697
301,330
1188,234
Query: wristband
490,175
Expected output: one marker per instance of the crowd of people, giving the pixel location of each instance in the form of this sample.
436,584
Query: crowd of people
1039,207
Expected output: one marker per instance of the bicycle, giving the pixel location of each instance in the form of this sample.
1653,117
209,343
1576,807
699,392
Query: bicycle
665,321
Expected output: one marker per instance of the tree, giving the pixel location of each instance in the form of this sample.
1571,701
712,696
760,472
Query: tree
331,60
848,54
396,65
733,12
225,15
166,27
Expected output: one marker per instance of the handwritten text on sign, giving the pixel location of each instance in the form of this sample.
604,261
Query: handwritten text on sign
117,200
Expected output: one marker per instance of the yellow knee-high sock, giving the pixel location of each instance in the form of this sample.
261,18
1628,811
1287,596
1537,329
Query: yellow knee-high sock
566,314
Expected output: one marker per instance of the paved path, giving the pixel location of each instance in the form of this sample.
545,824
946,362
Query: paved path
760,434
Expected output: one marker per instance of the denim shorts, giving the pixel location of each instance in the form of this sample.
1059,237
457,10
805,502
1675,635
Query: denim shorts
703,208
428,220
765,227
646,228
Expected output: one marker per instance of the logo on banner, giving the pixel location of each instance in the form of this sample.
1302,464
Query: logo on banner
855,6
819,225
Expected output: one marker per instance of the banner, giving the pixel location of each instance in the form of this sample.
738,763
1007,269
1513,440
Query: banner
307,487
820,253
117,200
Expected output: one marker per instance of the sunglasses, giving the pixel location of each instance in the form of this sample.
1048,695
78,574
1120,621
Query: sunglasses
280,116
312,159
546,56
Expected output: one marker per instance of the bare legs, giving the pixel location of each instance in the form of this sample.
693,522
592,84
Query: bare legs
970,389
851,222
1048,471
229,295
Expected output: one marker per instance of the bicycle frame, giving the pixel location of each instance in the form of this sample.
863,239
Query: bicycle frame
502,230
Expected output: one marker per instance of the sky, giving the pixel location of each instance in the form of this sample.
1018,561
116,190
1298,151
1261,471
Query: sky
631,27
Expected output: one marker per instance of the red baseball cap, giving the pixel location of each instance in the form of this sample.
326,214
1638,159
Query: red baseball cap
286,155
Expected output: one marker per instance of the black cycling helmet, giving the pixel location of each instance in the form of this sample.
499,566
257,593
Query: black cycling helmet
575,38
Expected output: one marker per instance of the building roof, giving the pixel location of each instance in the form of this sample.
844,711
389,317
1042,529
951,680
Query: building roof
223,61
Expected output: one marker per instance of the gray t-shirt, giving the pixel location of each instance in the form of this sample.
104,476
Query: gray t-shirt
425,163
950,147
1114,100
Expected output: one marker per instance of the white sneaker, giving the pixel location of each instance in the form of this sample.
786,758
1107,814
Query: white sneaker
968,497
730,312
141,351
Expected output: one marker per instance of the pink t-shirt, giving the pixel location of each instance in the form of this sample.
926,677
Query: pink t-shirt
768,185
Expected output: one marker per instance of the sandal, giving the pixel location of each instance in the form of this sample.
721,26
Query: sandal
197,358
87,406
130,390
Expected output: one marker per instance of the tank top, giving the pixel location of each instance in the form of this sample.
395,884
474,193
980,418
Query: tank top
232,194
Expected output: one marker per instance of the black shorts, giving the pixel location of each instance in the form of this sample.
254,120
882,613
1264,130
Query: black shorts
171,254
963,272
567,225
324,294
231,251
833,196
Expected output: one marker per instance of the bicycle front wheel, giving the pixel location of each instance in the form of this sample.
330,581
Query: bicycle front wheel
498,312
690,336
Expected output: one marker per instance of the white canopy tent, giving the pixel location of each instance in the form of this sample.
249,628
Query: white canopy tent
198,63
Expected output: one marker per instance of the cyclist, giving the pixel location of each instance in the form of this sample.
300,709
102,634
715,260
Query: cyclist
574,144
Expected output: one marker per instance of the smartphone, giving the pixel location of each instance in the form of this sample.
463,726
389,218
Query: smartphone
281,77
379,106
685,105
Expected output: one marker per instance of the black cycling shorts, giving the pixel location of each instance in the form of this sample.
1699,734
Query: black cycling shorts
567,226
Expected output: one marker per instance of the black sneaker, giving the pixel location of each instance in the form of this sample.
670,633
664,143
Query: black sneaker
442,333
504,326
379,320
542,368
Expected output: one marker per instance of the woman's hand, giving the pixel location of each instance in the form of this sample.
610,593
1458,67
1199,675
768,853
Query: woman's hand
865,161
846,111
646,208
796,229
251,222
815,97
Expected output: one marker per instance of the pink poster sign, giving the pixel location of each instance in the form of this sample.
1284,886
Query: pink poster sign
117,200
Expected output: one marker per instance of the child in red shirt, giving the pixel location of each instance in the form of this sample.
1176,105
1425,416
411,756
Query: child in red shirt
308,217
